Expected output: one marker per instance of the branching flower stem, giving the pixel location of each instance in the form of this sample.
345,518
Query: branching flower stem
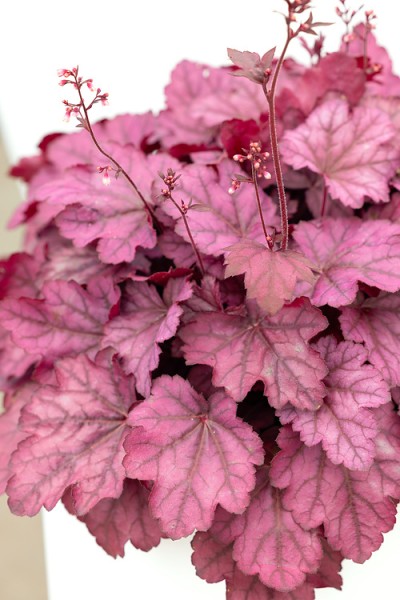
268,238
183,210
270,96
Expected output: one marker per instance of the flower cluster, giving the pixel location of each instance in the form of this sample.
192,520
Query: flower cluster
184,354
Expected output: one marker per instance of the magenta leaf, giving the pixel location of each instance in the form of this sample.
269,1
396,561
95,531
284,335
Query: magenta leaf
116,521
247,587
69,320
352,508
229,218
352,152
270,531
178,438
250,64
245,349
329,568
347,251
344,425
376,322
145,322
212,560
75,434
270,277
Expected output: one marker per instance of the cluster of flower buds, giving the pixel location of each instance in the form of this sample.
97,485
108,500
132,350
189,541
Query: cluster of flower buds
71,77
258,161
170,180
370,16
105,171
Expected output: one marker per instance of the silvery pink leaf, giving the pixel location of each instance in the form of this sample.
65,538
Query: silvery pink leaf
74,435
178,438
352,152
68,320
352,508
239,348
347,251
343,423
230,218
146,321
386,468
116,521
270,277
270,530
376,323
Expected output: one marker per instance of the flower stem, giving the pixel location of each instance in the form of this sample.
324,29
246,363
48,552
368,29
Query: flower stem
270,96
193,243
119,168
268,238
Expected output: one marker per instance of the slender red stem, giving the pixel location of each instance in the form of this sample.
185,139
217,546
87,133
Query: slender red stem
270,96
120,169
268,238
193,243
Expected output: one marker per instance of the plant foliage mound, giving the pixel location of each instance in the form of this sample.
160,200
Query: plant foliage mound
202,334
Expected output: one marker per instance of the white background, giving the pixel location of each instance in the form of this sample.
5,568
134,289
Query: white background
129,48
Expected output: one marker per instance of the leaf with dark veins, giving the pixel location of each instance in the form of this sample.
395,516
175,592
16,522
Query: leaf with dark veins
352,508
75,438
270,531
197,452
244,349
247,587
346,251
228,218
146,320
116,521
351,151
376,323
212,560
344,424
68,320
328,574
270,277
386,467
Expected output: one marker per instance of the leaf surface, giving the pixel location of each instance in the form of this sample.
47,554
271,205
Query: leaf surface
346,251
75,432
274,349
197,452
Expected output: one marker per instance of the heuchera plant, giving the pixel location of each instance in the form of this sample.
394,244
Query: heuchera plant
188,345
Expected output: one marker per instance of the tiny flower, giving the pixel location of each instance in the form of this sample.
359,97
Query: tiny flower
64,82
64,73
89,83
235,185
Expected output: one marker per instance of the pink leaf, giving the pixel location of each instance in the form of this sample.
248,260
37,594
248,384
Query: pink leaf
386,468
145,322
212,560
247,587
270,277
250,64
352,508
76,431
347,251
270,531
344,425
329,568
69,319
228,218
116,521
245,349
376,322
350,151
177,441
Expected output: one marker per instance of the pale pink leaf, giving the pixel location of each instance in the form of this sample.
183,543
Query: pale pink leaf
270,531
270,277
146,320
352,508
250,64
69,320
116,521
344,425
245,349
376,323
346,251
178,438
329,569
75,434
352,152
386,467
229,218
